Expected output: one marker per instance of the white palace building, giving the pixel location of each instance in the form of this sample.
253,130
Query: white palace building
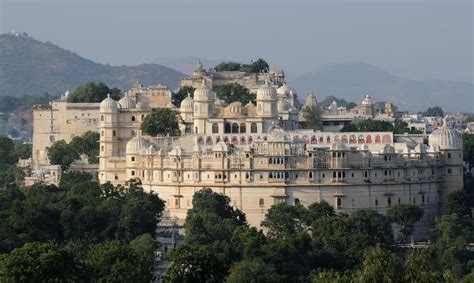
249,154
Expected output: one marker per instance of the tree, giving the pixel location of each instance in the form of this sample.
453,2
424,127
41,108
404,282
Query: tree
282,219
259,66
163,122
211,218
93,92
379,266
253,271
227,66
317,210
369,125
7,152
114,262
182,93
461,202
39,262
24,151
63,154
434,111
193,264
312,115
419,268
87,144
144,245
453,234
330,276
405,215
235,92
468,155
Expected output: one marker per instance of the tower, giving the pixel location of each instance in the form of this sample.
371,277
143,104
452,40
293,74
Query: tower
109,146
267,106
449,142
203,107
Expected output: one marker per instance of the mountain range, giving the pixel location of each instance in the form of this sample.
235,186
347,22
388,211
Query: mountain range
353,80
32,67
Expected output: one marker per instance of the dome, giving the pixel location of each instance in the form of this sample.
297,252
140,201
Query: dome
126,102
203,93
283,90
367,100
108,105
186,104
266,92
446,138
136,145
283,105
250,104
220,147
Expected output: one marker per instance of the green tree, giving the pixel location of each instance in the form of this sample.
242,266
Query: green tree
379,265
93,92
63,154
7,152
39,262
369,125
193,264
259,66
313,117
24,151
453,234
461,202
235,92
211,218
227,66
250,271
163,122
434,111
405,215
115,262
330,276
182,94
282,219
144,245
88,144
468,154
317,210
419,268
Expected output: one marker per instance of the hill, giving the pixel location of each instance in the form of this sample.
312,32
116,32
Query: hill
352,81
31,67
185,64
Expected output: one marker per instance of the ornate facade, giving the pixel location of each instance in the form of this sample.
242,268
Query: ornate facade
244,153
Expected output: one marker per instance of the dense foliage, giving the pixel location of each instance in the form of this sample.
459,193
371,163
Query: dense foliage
79,229
182,93
258,66
9,104
93,92
236,92
341,102
10,174
163,122
434,111
405,215
468,141
314,244
63,153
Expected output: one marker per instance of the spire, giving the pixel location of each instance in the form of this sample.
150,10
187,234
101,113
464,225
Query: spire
108,95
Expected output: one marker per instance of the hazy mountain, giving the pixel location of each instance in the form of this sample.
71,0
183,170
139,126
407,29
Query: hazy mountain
186,64
352,81
29,66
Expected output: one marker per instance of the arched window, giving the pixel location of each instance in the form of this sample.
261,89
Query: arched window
235,128
209,141
253,127
261,202
243,128
133,133
378,139
215,128
114,133
226,128
368,139
133,118
102,118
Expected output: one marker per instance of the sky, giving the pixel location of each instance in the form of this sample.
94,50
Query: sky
417,39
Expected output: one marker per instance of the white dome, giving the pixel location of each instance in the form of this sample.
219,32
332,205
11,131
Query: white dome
203,93
136,145
127,103
250,104
108,105
186,104
446,138
367,100
283,105
266,92
283,90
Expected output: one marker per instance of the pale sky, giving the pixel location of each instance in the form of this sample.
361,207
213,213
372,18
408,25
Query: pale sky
418,39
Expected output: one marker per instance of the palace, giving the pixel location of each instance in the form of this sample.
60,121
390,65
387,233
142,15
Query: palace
257,157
